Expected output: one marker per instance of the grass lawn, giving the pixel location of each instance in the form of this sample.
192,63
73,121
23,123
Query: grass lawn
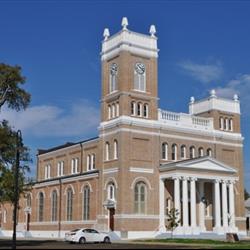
203,243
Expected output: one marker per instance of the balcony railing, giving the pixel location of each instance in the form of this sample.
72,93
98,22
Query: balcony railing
185,120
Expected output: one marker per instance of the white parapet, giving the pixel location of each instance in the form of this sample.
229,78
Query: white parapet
214,103
185,120
126,40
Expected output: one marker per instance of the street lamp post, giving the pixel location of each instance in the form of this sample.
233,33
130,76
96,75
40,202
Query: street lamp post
16,188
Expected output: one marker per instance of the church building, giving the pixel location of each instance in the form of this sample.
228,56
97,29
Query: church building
144,161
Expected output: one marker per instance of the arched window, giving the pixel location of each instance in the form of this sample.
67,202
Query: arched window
28,200
107,151
115,149
183,152
231,124
145,110
201,152
192,152
111,191
164,150
174,152
88,163
139,109
140,198
221,123
109,112
69,204
86,201
113,110
41,207
117,109
74,165
54,206
92,162
113,77
133,108
140,77
226,124
209,152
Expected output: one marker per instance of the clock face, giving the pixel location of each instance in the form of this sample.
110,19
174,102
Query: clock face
113,69
140,68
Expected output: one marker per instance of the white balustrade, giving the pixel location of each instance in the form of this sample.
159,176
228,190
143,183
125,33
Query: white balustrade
185,120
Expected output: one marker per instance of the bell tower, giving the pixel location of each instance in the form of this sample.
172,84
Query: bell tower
129,74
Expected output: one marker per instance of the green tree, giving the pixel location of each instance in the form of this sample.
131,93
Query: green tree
246,194
14,97
173,220
7,164
11,92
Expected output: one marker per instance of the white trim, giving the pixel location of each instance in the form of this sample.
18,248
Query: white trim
137,216
110,170
142,170
52,190
70,179
45,184
81,177
126,120
44,223
84,185
40,191
240,218
79,222
67,147
180,174
141,178
110,180
166,135
67,187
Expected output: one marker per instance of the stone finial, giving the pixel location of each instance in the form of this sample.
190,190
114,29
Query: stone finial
124,23
236,98
106,34
192,100
152,30
213,93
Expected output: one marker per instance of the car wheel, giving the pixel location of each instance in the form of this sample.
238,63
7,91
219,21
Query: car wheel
82,240
106,240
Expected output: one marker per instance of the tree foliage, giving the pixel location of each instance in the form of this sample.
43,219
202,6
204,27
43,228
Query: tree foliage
14,97
173,220
11,93
8,147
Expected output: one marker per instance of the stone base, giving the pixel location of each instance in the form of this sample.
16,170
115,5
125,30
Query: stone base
218,230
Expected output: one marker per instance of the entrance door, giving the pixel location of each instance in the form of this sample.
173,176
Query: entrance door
28,222
111,218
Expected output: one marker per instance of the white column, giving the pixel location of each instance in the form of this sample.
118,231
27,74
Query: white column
217,207
224,205
202,207
193,202
185,202
232,206
177,196
162,227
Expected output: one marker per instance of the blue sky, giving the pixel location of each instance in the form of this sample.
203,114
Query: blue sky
203,45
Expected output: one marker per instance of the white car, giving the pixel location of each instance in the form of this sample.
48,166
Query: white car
85,235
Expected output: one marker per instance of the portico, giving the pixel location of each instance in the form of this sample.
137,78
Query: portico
188,178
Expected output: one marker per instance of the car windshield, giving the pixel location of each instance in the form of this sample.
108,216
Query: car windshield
75,230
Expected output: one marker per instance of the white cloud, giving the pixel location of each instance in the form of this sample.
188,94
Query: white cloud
52,121
204,73
241,86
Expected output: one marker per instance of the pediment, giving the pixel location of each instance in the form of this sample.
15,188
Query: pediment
200,164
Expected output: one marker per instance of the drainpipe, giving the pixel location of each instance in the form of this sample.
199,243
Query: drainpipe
81,158
60,208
